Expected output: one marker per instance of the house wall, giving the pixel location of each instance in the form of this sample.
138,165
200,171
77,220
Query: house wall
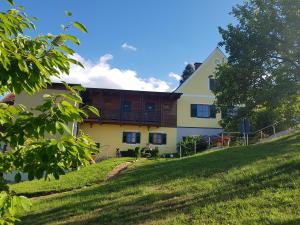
195,131
31,101
196,91
110,137
36,99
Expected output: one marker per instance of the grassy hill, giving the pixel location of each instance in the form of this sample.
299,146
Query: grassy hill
245,185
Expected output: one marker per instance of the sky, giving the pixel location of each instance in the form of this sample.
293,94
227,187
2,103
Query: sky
135,44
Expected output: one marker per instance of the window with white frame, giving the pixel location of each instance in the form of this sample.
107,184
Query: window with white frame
211,82
203,111
157,138
131,137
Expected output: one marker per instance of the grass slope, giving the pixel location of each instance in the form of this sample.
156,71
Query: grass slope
86,176
246,185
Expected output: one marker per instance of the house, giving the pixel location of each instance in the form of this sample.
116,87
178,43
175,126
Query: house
140,118
132,118
196,114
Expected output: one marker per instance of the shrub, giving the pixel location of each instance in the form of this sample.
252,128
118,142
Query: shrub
155,153
150,153
188,145
128,153
137,153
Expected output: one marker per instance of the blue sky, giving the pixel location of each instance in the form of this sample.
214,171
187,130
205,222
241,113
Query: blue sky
165,33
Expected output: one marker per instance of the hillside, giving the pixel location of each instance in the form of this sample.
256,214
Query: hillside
245,185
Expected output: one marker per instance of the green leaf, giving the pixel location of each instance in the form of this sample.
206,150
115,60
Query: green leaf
94,110
80,26
11,2
73,61
47,96
67,49
74,98
71,38
61,147
78,88
65,127
68,13
3,197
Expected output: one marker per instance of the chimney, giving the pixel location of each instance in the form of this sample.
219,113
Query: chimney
197,64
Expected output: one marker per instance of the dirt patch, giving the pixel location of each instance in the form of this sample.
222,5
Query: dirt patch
117,170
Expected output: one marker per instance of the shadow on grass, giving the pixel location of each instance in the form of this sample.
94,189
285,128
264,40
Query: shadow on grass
123,201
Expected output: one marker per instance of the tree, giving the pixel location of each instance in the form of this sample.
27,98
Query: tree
187,72
263,70
40,143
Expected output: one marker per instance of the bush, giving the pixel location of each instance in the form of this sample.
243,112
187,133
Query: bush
137,153
155,153
128,153
150,153
188,145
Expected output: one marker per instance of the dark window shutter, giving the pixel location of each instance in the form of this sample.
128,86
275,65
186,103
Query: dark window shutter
124,137
164,139
211,83
138,137
213,112
193,110
150,138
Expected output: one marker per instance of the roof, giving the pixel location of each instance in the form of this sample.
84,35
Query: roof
120,91
200,67
8,98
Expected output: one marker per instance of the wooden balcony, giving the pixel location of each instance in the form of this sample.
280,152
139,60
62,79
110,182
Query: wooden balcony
132,107
133,117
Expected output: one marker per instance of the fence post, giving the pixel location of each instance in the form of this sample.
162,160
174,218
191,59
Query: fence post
222,139
209,142
274,132
261,136
195,147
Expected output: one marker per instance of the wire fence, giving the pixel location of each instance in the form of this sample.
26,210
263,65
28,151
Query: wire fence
236,138
264,134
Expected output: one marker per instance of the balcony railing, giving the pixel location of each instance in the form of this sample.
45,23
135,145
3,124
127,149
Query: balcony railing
118,116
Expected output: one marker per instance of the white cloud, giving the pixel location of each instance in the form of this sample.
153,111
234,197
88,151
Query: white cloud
128,47
102,75
185,63
175,76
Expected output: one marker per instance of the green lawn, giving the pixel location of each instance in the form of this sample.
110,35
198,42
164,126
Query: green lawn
86,176
244,185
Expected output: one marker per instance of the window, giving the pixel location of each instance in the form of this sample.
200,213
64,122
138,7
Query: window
212,83
126,106
157,138
150,106
131,137
203,111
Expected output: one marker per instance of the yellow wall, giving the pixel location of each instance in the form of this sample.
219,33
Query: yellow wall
36,99
196,91
184,118
110,137
31,101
